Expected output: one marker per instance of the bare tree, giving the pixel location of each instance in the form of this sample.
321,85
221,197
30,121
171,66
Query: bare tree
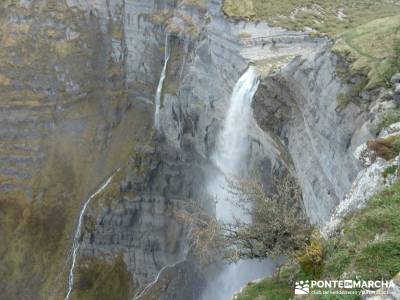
205,238
277,227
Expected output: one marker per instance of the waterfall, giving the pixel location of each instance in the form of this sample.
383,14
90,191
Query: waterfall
232,145
160,86
78,232
148,287
230,153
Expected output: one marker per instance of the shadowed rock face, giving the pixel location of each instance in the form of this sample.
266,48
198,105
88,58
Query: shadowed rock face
298,106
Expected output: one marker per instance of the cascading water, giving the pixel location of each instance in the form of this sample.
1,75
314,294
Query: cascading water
229,156
78,232
151,284
232,145
160,86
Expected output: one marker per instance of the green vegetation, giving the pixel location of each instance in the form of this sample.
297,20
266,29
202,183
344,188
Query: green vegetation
311,257
267,289
325,16
370,244
389,171
103,280
367,246
366,35
371,51
389,118
371,55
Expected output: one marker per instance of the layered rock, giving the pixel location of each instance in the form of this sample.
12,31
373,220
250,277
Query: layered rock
78,81
65,125
137,215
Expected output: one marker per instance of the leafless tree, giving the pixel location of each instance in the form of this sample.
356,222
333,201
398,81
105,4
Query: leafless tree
278,226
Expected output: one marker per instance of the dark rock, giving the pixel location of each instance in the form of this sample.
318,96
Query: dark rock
395,78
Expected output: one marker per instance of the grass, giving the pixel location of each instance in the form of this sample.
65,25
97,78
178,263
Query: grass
370,244
367,247
371,51
389,118
325,16
366,35
267,289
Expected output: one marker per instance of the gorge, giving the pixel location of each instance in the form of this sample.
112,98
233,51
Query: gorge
157,102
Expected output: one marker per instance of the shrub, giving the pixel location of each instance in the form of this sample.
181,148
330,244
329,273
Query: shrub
389,171
278,225
386,148
311,257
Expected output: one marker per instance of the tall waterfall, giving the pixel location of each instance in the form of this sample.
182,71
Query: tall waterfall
232,145
160,85
231,151
78,232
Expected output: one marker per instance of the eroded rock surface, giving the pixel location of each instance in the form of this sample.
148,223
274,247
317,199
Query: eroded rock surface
77,85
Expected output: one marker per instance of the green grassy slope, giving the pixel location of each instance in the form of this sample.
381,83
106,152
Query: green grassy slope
366,33
366,247
325,16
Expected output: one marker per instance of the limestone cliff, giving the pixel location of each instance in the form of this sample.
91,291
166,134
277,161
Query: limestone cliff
78,81
65,125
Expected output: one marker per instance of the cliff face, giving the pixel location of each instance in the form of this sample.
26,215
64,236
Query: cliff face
65,125
298,105
77,86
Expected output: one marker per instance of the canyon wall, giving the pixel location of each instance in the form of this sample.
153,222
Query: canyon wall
78,82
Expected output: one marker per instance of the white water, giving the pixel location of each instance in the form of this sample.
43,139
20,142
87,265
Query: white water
232,145
229,157
160,86
76,244
235,276
151,284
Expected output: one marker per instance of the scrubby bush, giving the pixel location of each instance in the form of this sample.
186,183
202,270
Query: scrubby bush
311,257
386,148
278,226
